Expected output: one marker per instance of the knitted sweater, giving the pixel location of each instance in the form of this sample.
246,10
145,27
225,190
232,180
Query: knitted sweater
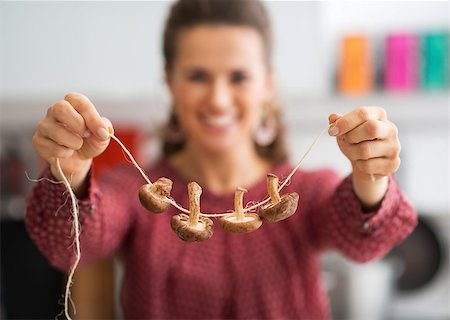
272,273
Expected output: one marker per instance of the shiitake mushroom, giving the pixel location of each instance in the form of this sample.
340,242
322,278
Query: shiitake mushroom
153,197
192,227
279,208
238,221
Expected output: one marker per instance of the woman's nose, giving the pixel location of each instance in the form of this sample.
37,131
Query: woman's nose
220,95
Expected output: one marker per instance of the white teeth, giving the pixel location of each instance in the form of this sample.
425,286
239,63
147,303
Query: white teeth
220,121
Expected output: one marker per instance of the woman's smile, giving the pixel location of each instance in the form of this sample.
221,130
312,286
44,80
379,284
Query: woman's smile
218,123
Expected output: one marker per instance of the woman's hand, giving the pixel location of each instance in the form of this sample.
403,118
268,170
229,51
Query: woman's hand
370,141
73,131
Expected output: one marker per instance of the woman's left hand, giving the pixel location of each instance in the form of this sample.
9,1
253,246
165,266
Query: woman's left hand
370,141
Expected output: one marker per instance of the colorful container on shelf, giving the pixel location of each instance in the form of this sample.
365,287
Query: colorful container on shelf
435,60
355,71
401,62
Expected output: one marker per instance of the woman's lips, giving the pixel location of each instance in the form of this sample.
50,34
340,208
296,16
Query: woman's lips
218,124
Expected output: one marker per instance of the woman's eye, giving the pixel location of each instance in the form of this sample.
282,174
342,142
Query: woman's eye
198,77
238,77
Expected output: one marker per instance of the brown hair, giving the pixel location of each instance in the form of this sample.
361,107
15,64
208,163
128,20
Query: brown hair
252,13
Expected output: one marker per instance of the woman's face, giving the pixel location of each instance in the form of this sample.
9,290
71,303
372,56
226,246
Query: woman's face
219,82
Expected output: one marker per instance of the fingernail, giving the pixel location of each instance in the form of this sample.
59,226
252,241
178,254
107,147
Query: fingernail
103,133
333,131
86,134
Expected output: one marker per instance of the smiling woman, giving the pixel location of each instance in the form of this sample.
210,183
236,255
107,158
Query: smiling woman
223,59
219,84
217,64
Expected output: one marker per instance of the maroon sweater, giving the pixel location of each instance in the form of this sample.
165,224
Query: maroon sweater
273,272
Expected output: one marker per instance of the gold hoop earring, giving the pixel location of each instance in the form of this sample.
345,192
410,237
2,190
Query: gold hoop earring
265,134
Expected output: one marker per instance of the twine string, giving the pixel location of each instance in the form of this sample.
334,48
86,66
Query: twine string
75,211
131,158
247,209
76,229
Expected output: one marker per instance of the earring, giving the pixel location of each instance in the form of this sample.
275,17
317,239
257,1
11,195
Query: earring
172,131
267,131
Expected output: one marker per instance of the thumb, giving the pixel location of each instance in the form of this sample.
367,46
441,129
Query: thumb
333,117
93,146
108,125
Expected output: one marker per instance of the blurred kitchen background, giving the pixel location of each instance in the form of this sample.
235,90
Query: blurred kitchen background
330,57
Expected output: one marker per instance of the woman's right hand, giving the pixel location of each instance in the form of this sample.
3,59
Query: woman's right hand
74,132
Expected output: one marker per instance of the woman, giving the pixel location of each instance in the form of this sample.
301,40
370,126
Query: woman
217,63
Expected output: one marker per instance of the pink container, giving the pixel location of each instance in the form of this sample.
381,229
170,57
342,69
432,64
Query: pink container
401,62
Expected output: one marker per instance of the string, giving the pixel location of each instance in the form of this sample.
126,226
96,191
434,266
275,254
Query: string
75,211
42,179
76,227
288,178
131,158
247,209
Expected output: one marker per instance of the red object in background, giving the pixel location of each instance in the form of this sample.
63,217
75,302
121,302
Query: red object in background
114,155
356,70
12,169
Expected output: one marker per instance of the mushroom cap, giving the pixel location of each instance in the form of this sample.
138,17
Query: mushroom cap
153,197
250,223
201,232
282,210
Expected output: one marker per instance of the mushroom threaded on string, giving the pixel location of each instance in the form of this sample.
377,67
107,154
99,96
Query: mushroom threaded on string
279,208
238,221
192,228
153,196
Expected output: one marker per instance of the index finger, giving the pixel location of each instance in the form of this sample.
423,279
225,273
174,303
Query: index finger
89,113
355,118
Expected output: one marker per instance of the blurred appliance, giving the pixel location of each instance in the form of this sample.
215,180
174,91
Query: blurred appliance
411,282
422,271
357,291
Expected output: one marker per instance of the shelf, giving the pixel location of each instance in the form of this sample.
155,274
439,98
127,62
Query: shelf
409,108
406,109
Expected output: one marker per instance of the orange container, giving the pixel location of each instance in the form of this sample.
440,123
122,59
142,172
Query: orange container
355,69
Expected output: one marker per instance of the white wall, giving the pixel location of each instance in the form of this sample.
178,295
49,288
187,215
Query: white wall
113,48
95,47
111,51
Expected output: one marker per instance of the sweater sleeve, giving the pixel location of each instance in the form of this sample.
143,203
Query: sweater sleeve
104,219
338,221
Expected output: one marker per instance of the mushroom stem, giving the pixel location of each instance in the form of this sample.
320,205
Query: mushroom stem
272,188
194,191
238,203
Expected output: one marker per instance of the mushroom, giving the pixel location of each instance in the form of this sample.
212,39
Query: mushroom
193,227
154,196
239,221
279,208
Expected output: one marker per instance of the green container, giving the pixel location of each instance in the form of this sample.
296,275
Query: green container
435,60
